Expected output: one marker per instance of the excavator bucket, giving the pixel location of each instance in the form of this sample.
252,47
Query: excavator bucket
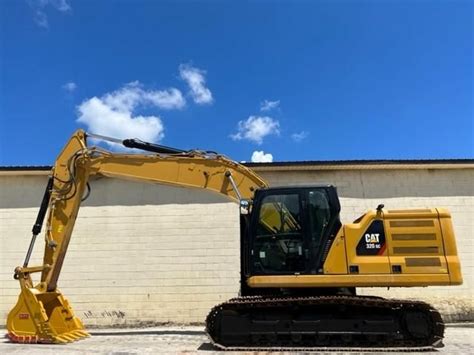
43,317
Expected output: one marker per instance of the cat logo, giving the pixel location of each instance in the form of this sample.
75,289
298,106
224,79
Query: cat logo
372,238
372,241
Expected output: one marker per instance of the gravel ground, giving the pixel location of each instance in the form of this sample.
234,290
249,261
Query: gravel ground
180,340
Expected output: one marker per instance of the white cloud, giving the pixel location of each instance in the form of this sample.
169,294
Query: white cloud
70,86
166,99
113,113
259,156
61,5
103,119
268,105
255,128
41,19
196,81
39,8
298,137
133,95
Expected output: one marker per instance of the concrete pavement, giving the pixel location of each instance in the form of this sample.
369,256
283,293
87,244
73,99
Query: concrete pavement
180,340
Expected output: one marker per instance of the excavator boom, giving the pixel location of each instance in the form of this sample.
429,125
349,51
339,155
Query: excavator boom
42,314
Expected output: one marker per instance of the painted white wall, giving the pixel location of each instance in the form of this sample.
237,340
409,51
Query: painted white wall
140,253
146,254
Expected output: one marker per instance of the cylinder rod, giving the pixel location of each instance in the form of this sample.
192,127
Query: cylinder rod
39,219
138,144
234,185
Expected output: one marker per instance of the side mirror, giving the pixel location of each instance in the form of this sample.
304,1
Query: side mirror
244,207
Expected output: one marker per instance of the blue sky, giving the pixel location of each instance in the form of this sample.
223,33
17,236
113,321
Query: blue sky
299,80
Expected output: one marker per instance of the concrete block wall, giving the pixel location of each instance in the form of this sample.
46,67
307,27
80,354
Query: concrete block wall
145,254
140,254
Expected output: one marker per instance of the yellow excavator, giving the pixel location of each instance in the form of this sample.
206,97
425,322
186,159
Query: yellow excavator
300,266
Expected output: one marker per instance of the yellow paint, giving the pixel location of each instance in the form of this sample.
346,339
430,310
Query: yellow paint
41,316
377,264
352,280
336,262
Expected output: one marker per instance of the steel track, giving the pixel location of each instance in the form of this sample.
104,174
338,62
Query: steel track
402,341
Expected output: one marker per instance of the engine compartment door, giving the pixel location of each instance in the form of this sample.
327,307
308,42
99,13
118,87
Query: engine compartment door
415,241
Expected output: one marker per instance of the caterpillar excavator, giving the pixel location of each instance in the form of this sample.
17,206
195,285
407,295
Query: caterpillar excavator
300,266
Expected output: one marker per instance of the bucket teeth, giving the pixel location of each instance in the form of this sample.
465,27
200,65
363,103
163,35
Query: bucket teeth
81,333
63,339
51,339
71,336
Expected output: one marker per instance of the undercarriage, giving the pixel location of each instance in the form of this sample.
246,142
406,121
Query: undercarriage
321,322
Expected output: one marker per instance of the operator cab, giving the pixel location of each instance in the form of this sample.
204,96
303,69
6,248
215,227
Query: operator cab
291,228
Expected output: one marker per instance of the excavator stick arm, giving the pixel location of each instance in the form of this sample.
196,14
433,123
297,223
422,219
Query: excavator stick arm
42,314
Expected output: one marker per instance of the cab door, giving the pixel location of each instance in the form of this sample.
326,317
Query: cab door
279,238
